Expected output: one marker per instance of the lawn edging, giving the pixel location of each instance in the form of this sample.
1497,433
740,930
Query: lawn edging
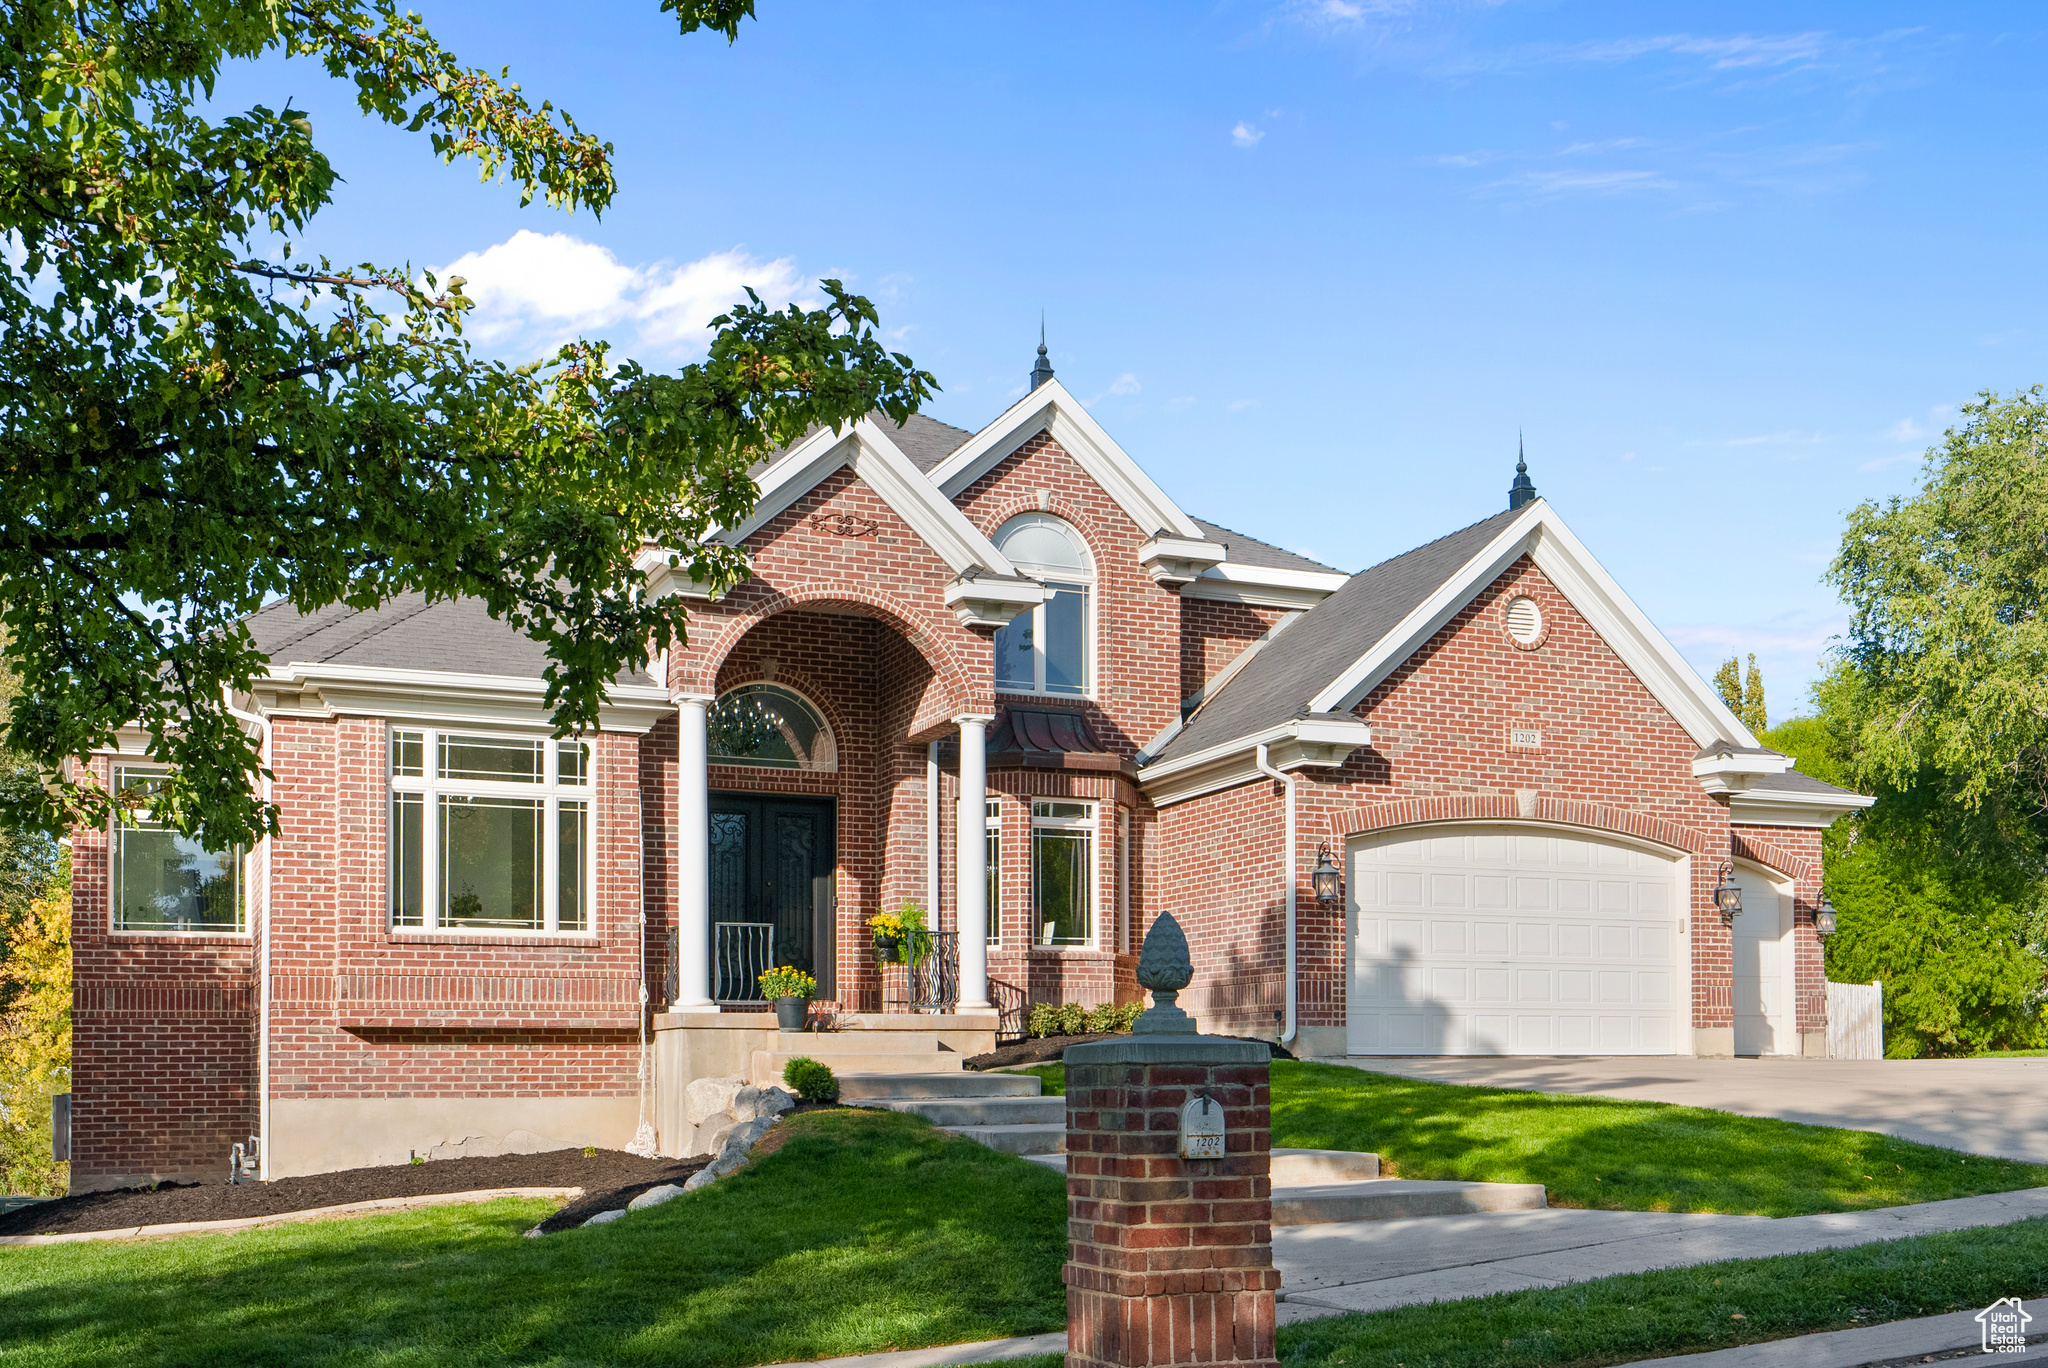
371,1207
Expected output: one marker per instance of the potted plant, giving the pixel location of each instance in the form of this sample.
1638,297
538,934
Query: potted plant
888,929
917,941
790,989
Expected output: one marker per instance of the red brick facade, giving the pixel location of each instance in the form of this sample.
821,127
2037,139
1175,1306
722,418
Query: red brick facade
168,1055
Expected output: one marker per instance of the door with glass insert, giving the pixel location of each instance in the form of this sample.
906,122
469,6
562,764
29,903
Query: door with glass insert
772,862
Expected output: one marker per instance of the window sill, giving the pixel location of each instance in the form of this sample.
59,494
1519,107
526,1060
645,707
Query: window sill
187,937
1068,952
399,936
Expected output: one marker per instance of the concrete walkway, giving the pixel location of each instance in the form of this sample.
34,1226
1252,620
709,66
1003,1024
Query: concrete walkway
1985,1106
1370,1266
1869,1346
1330,1270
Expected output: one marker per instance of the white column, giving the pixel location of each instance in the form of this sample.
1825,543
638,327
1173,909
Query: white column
693,856
971,861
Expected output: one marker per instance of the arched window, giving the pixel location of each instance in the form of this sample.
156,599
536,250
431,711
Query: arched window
768,725
1046,651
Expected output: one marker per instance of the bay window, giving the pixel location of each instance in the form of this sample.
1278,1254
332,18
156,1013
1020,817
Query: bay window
1063,872
165,882
490,833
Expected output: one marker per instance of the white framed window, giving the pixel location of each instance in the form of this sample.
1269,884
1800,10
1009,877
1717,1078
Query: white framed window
1049,650
491,833
1063,872
165,883
994,823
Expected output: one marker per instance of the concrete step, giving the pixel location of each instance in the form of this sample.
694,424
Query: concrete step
1056,1162
1027,1140
953,1112
1394,1199
767,1064
860,1087
1302,1167
825,1044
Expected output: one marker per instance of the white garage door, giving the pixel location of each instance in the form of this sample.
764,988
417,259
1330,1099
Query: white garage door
1505,940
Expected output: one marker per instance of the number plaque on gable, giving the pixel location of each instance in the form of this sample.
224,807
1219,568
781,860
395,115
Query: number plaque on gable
1201,1129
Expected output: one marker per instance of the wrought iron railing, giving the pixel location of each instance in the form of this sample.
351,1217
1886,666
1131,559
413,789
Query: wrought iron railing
931,974
1011,1010
740,953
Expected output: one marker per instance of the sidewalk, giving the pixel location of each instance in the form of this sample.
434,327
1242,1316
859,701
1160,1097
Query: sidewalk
1865,1347
1353,1266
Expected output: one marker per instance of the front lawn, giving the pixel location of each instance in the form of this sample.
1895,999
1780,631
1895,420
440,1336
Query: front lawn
865,1231
1613,1153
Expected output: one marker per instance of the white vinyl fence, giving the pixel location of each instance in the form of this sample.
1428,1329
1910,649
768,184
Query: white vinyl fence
1855,1021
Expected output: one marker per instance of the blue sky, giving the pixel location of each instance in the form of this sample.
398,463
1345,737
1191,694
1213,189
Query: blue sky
1729,267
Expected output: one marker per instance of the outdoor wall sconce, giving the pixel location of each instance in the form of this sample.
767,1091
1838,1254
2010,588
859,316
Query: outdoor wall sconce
1727,896
1326,878
1824,919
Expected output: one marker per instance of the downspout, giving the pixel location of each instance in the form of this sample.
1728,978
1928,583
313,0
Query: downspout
262,967
1266,768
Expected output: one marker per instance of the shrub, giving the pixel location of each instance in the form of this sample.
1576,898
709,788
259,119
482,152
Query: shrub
1073,1018
1044,1020
1127,1015
811,1080
784,981
1104,1018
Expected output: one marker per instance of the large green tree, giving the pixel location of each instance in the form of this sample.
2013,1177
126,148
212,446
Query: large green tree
1937,701
200,410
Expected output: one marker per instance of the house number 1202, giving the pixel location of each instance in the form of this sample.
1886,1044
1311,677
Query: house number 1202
1201,1129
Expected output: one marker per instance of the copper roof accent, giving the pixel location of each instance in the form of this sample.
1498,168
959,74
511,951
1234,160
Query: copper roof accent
1049,738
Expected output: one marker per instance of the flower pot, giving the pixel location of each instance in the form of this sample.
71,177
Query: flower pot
790,1012
885,951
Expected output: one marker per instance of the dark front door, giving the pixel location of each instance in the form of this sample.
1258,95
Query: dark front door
771,890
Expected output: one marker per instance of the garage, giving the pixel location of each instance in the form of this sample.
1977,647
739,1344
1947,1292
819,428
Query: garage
1513,940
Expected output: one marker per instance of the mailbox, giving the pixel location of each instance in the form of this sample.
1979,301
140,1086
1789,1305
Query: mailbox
1201,1129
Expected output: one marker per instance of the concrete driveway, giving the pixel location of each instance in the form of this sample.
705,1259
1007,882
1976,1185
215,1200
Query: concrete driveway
1985,1106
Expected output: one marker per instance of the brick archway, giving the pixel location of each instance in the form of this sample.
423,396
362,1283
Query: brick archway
1365,817
962,690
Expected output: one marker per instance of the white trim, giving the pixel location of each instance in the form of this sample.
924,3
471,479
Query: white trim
1541,534
1299,743
427,697
1792,807
1263,586
1049,408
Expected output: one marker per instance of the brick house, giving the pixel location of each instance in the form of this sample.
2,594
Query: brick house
466,930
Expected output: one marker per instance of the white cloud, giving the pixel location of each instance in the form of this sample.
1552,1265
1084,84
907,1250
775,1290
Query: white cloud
1182,402
1126,383
1244,135
1552,184
1240,405
1906,430
535,291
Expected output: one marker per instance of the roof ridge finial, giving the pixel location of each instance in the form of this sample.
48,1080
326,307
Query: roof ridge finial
1523,490
1042,370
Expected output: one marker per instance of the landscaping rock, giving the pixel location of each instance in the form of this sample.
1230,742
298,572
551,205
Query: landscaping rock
750,1103
712,1135
708,1097
655,1196
703,1177
606,1217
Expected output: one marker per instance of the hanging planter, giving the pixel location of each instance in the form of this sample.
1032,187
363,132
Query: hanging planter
888,949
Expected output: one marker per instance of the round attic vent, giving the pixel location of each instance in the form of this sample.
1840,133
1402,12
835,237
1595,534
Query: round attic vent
1525,620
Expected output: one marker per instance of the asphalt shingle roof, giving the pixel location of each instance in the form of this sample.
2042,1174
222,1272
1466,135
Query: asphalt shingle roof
1251,551
408,633
1293,667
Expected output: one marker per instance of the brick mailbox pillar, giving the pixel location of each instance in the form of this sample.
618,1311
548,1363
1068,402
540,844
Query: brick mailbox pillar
1169,1258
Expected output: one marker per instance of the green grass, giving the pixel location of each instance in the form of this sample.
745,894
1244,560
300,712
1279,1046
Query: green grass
2010,1054
1612,1153
1680,1310
866,1231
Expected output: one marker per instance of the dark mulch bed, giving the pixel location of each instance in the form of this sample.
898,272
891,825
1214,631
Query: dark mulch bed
609,1178
1050,1049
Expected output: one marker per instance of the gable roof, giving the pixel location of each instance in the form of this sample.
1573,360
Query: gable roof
457,636
1049,408
1245,550
924,441
1346,645
1283,679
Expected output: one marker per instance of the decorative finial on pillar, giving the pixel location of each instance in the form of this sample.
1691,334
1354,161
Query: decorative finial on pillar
1165,968
1041,372
1523,490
